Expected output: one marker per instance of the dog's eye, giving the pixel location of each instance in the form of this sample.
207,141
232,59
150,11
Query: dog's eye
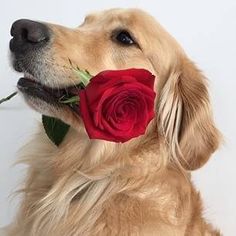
124,38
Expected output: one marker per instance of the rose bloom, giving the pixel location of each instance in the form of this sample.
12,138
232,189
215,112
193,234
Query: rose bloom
118,105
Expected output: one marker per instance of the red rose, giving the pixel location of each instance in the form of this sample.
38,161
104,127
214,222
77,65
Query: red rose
118,105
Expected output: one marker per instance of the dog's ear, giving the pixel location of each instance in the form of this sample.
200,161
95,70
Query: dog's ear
185,117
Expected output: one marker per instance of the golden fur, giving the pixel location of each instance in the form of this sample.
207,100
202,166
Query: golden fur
143,187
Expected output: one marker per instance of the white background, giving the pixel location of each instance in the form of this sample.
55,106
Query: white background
207,31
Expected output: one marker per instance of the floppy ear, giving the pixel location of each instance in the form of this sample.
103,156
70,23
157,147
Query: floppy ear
185,116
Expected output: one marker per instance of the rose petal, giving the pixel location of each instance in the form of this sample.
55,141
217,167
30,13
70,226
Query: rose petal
141,75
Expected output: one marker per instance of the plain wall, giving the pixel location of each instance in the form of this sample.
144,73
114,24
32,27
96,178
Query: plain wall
205,29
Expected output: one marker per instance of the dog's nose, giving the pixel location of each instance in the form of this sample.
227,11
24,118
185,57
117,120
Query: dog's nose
28,35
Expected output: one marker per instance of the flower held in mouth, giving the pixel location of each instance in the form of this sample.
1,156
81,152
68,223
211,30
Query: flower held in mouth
117,105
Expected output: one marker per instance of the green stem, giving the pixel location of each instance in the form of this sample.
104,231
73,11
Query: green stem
8,97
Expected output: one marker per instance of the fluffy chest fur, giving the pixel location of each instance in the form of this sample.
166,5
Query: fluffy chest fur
84,188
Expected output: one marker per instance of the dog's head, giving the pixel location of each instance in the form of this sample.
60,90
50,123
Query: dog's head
118,39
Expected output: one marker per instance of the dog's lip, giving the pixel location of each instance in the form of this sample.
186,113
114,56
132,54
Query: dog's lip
29,86
34,89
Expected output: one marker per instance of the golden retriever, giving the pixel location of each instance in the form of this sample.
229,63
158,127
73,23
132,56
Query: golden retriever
94,187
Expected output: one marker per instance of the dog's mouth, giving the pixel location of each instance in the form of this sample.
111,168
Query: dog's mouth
54,96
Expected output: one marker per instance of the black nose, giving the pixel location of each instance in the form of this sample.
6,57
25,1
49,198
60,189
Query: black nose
28,35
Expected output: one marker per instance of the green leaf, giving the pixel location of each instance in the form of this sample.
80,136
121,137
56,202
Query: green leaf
83,75
55,129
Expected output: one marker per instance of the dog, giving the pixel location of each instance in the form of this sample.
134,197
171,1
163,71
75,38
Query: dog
95,187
